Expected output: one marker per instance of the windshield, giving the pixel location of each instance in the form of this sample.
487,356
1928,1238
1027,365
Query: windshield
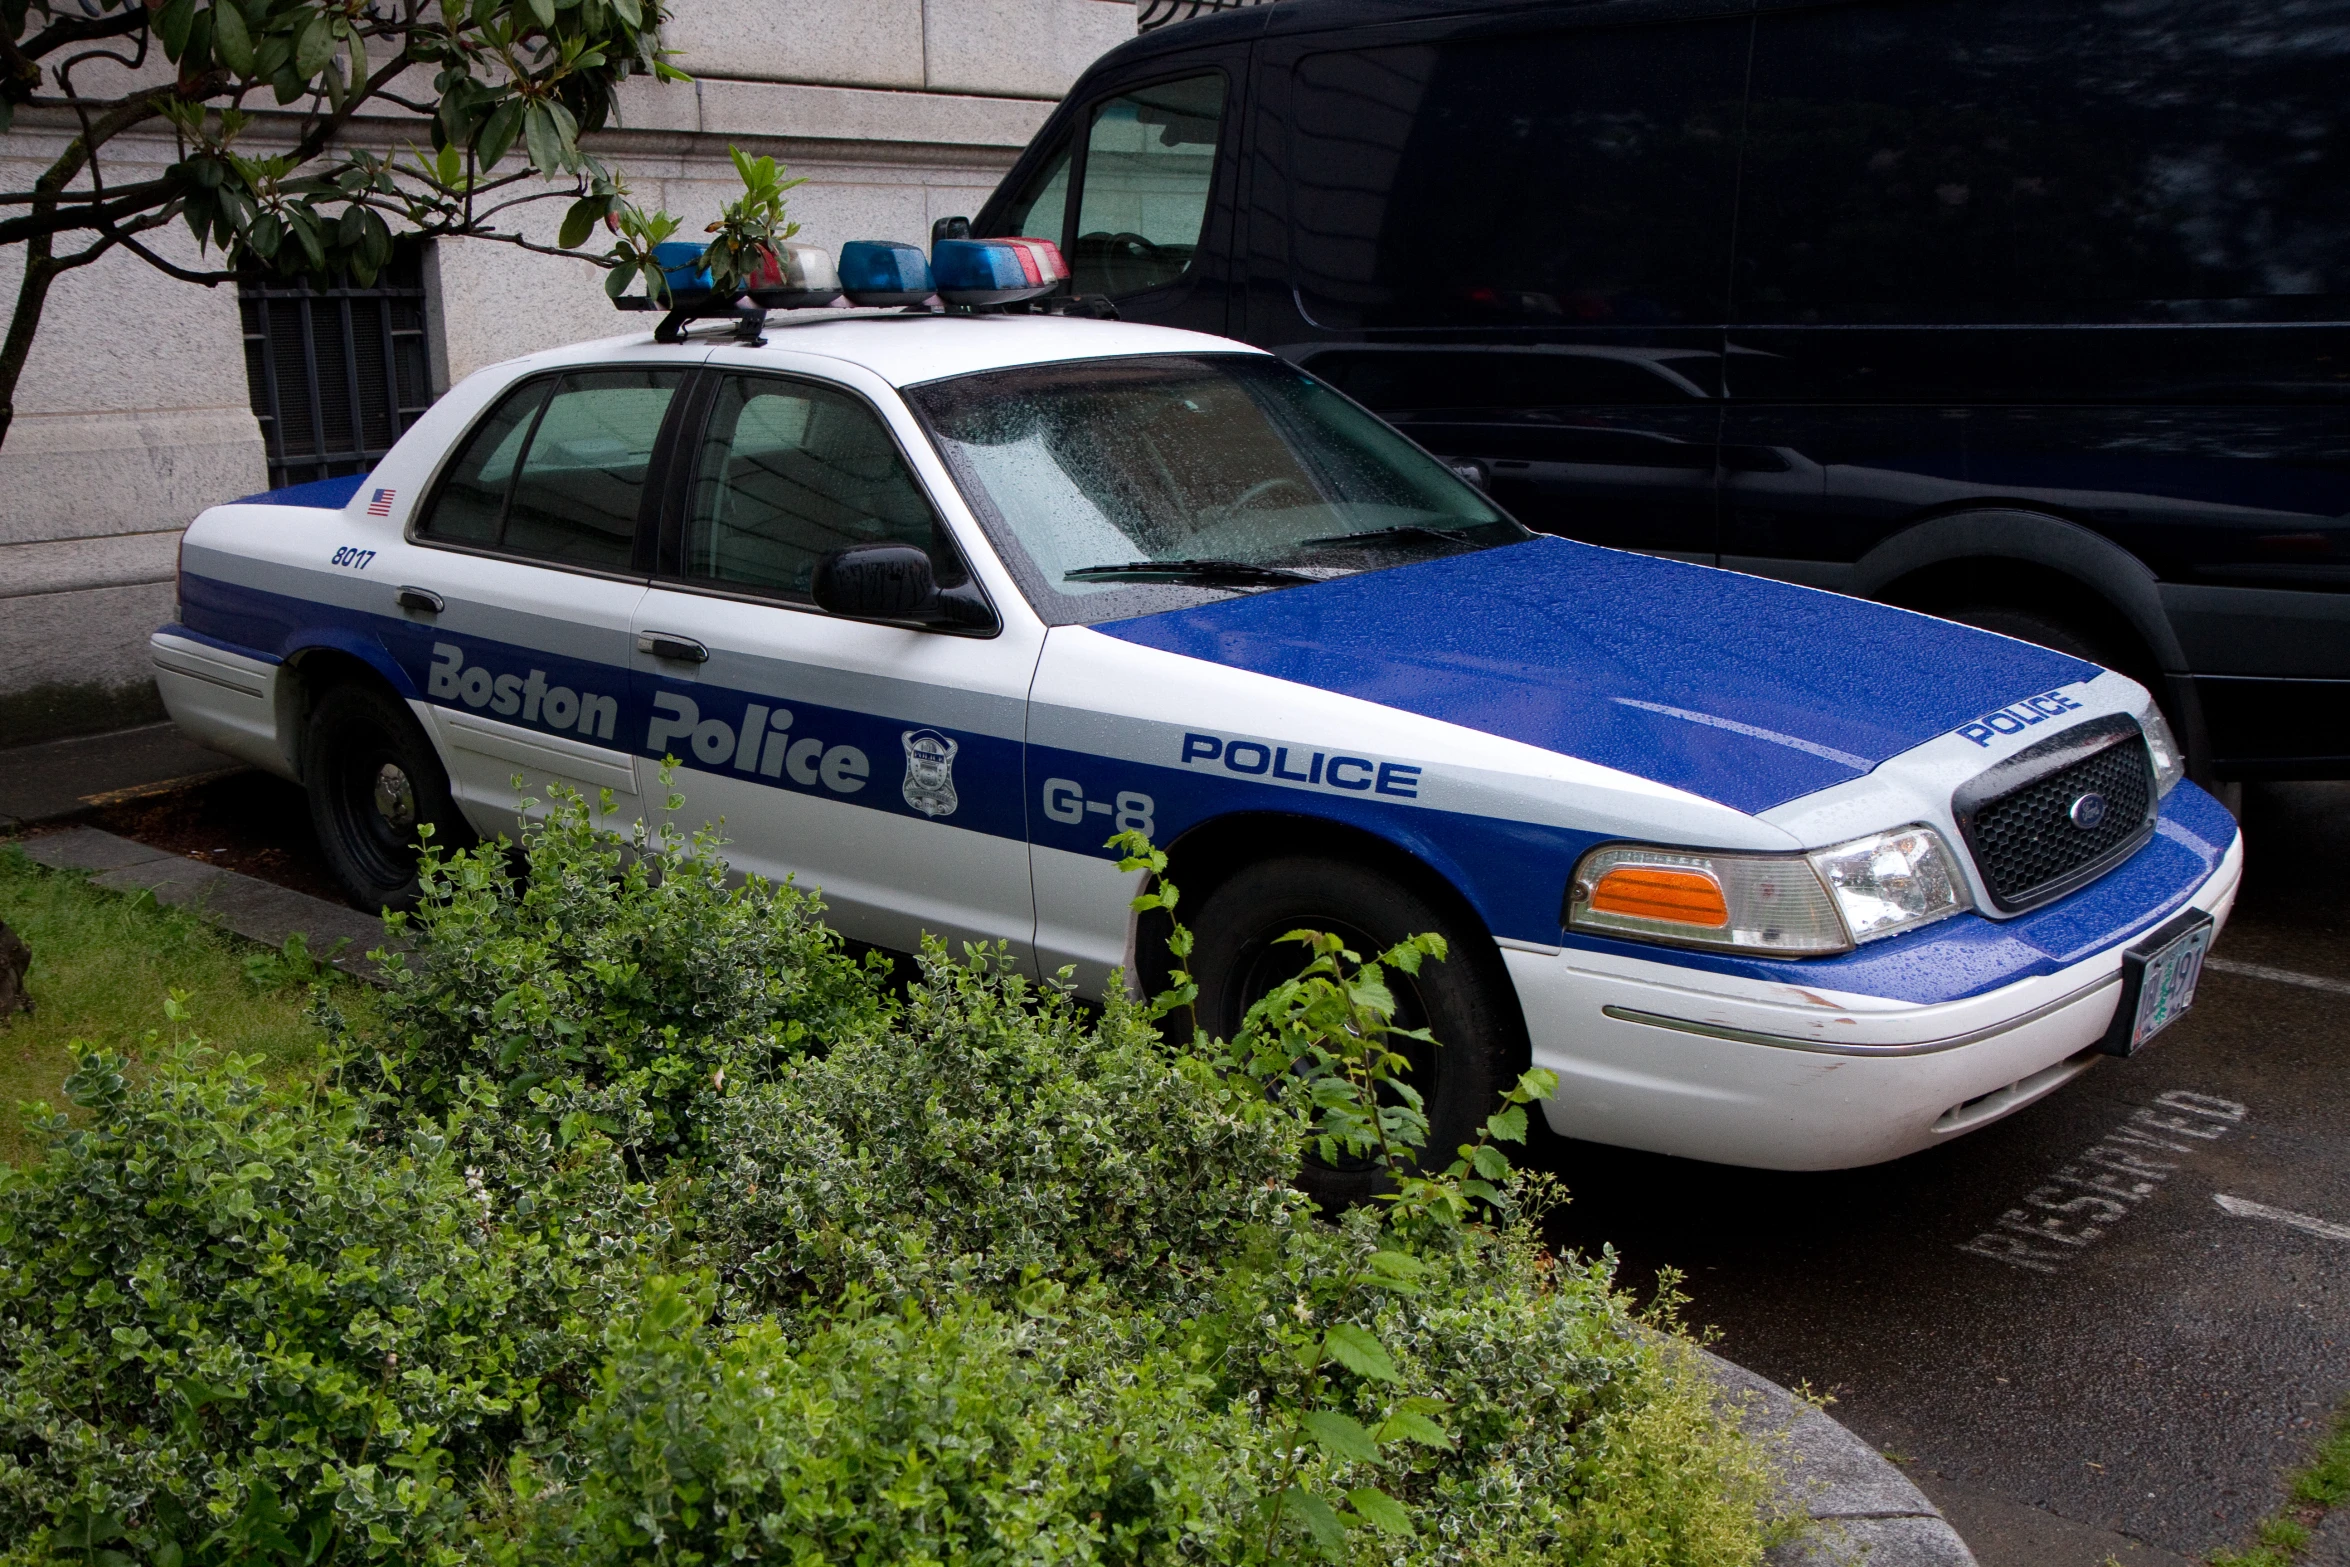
1118,487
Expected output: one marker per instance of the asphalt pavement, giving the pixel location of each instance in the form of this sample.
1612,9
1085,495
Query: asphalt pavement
2056,1325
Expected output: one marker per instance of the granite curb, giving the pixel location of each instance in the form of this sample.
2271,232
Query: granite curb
255,909
1862,1509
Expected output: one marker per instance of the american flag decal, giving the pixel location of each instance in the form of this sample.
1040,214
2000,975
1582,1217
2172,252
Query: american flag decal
381,505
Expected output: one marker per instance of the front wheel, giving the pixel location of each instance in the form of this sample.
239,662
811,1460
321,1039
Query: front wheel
374,781
1464,1001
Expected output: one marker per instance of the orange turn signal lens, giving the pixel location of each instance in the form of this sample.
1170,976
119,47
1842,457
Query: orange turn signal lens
1656,892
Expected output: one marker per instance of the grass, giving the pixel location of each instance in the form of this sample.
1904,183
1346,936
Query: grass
2316,1488
102,964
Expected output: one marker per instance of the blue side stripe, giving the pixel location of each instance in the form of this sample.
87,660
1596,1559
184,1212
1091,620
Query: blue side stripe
1513,873
986,769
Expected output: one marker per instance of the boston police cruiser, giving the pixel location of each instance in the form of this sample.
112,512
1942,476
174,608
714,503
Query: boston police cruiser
928,604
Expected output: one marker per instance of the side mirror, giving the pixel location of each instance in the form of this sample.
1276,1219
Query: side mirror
950,228
876,582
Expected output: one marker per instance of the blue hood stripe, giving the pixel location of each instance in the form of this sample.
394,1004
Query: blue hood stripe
1737,688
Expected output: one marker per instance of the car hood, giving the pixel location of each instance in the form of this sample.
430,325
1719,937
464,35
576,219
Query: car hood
1743,690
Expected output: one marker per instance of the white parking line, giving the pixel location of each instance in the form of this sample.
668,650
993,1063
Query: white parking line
2299,1221
2279,976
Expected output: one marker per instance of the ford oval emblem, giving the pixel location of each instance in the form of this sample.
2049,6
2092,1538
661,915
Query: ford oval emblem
2087,811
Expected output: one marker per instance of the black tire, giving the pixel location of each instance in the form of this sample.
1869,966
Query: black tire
2031,625
1464,1001
373,780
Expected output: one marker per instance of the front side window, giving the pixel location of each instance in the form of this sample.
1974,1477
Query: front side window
1117,487
1150,162
1042,210
557,471
791,471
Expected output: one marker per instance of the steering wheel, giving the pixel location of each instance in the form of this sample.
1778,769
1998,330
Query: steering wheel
1248,496
1133,245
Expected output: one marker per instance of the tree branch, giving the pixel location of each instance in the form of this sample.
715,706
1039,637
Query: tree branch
70,30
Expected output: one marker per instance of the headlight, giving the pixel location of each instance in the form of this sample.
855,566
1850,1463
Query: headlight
1892,881
1741,902
1788,905
2169,764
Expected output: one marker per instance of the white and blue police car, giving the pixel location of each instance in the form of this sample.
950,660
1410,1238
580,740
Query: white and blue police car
928,605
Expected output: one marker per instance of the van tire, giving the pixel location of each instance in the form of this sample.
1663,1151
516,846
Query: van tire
1465,1001
373,779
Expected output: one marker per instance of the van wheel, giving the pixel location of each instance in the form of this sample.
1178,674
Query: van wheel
2026,625
373,781
1239,958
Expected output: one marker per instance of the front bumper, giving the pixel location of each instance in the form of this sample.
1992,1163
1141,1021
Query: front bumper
1705,1065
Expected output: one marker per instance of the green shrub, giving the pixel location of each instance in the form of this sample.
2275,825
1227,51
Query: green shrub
623,965
987,1275
241,1324
1506,1401
964,1435
997,1131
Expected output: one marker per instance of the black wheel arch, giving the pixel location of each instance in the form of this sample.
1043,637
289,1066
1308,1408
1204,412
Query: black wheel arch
309,673
1204,856
2039,562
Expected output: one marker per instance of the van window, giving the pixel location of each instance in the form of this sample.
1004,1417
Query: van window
1571,178
2010,160
1042,210
1150,161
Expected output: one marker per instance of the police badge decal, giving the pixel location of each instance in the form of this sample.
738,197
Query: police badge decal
930,772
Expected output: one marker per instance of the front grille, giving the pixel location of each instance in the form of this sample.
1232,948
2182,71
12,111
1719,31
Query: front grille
2026,841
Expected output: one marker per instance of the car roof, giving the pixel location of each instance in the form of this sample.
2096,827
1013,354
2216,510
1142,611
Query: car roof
908,349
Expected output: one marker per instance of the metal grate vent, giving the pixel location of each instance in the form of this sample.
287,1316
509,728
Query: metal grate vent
2053,830
336,372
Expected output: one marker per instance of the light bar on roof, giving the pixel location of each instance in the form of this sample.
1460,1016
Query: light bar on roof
989,271
883,272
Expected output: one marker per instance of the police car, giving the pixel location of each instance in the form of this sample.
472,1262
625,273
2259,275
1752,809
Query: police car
927,604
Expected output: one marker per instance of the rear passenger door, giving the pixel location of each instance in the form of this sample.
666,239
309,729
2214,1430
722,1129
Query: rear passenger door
878,762
530,548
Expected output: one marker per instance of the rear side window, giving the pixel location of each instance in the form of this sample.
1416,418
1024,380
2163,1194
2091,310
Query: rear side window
1150,165
1965,160
557,471
1575,178
790,472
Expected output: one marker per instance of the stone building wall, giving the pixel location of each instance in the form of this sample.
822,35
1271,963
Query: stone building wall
134,414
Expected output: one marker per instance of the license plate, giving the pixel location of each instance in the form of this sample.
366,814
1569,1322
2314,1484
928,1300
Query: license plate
2158,981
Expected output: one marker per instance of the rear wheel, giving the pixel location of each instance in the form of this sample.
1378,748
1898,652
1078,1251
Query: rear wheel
1463,1001
373,781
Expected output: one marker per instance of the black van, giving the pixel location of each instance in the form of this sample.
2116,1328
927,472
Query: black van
2033,313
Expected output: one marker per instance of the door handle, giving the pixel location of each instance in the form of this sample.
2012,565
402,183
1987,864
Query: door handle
662,644
422,600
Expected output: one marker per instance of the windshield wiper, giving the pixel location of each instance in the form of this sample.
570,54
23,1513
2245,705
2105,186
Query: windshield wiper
1188,571
1409,530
